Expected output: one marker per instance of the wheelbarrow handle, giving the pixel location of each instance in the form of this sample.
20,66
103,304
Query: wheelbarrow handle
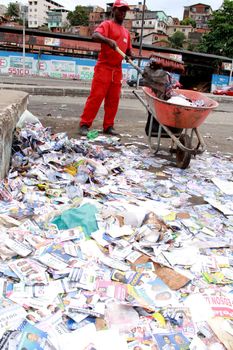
129,60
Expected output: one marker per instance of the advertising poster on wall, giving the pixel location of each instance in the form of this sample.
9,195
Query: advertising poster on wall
53,66
220,81
17,64
85,72
52,42
62,69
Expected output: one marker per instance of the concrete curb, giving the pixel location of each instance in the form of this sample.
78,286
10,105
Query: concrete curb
11,108
59,91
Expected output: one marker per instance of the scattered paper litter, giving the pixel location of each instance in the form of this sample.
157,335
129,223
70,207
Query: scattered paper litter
104,246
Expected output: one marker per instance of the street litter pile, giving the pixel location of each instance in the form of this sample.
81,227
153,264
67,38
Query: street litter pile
104,246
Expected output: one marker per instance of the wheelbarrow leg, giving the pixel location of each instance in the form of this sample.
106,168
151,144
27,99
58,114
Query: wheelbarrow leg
150,131
159,138
156,149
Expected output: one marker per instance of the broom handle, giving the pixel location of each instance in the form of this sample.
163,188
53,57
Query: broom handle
129,60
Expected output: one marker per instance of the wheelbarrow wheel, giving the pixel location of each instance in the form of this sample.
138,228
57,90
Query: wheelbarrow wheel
183,157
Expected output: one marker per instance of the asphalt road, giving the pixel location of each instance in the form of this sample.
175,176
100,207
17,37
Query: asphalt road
62,114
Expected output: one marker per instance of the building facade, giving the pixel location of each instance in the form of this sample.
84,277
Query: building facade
57,19
200,13
150,25
38,12
186,29
3,10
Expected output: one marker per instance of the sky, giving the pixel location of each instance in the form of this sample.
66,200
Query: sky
173,8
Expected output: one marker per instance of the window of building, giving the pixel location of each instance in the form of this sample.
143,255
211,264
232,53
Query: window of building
35,10
150,22
174,29
30,3
35,22
183,30
35,2
30,22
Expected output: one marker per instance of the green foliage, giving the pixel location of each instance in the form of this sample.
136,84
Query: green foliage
219,40
191,46
13,10
80,16
187,21
177,40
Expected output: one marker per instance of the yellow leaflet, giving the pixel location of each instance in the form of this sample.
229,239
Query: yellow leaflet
71,170
24,189
170,217
158,317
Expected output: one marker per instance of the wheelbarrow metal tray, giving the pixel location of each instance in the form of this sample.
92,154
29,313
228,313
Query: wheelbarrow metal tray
179,116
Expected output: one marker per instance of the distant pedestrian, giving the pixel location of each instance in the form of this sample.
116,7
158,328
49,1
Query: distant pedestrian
106,84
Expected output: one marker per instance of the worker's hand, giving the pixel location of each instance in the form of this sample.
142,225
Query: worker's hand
111,43
129,55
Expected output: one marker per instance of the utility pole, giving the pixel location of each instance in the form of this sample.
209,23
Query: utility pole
141,39
24,14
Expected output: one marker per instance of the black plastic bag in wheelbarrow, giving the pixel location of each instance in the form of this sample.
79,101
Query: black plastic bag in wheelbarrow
159,80
155,128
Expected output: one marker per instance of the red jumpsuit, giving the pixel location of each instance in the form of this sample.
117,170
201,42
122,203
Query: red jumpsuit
106,84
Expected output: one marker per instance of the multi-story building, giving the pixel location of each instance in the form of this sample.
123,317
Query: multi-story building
38,11
149,26
99,15
153,38
3,10
200,13
154,27
175,20
186,29
158,15
57,19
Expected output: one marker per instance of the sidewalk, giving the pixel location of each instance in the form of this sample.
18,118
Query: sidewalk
53,87
65,87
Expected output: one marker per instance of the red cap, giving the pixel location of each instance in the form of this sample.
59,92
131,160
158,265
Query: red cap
121,3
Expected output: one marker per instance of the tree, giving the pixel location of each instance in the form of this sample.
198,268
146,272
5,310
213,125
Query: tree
13,10
219,40
80,16
177,40
187,21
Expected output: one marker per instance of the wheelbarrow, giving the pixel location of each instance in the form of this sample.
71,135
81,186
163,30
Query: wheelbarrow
184,118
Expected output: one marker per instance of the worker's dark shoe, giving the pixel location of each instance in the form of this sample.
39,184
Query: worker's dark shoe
83,130
111,131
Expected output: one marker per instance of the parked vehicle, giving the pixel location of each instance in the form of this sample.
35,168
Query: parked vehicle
228,90
133,82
